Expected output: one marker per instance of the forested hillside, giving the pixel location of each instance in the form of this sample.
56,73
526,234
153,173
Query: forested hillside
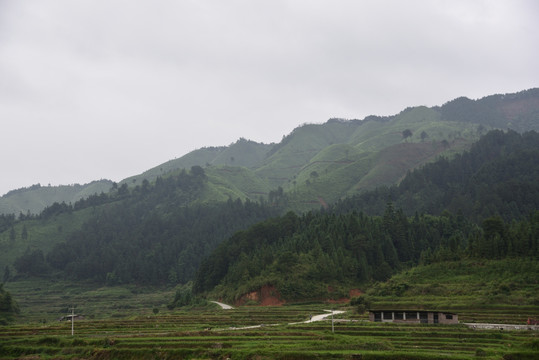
318,164
324,255
481,204
152,234
35,198
499,176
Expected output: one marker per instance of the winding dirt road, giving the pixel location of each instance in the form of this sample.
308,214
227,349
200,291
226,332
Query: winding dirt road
320,317
314,318
223,306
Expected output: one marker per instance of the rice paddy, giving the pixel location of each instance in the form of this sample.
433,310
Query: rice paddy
259,333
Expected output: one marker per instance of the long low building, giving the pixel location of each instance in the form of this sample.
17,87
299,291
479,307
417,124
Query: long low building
413,316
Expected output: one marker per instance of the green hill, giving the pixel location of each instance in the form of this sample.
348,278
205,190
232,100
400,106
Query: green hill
317,164
462,285
150,234
492,191
518,112
497,176
36,198
243,153
324,255
158,226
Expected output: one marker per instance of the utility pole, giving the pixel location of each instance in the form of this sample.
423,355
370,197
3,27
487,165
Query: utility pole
332,327
72,321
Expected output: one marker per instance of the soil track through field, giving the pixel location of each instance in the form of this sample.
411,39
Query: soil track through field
312,318
320,317
223,306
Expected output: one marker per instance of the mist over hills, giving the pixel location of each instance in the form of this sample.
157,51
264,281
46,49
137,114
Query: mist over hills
35,198
318,164
338,204
481,205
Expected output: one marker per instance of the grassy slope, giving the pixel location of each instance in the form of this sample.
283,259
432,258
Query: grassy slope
499,291
121,321
348,156
287,160
47,300
242,153
41,235
197,157
218,334
226,182
338,168
300,147
502,291
36,199
374,154
345,155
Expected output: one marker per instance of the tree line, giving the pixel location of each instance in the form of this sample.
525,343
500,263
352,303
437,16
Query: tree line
496,177
303,255
152,234
481,203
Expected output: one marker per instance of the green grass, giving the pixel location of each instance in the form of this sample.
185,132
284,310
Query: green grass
36,199
226,182
47,300
243,153
120,322
207,334
41,235
499,291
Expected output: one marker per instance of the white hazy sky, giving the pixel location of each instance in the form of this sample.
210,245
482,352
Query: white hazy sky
109,88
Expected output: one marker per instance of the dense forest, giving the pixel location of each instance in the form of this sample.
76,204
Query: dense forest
301,256
147,235
498,176
479,203
482,203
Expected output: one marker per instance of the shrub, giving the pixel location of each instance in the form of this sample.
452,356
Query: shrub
480,352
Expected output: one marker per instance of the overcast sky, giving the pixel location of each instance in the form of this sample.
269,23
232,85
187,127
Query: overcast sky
109,88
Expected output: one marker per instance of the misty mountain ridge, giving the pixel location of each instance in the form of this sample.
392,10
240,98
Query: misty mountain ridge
35,198
234,229
317,164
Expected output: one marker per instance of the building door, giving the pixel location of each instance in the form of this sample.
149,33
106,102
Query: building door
436,318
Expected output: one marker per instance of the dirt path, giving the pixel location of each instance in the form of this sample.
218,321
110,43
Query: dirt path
314,318
223,306
320,317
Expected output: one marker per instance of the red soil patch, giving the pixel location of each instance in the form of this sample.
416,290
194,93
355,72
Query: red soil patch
266,296
323,202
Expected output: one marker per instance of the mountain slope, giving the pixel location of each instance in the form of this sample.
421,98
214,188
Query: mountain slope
324,255
492,192
518,112
498,176
151,234
317,164
244,153
314,166
36,198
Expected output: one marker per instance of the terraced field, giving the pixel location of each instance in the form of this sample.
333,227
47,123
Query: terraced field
223,334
